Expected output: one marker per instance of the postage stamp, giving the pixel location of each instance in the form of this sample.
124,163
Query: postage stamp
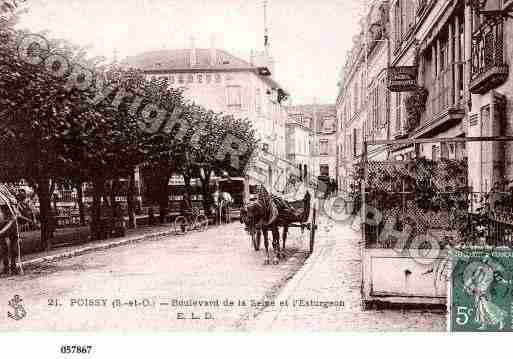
482,290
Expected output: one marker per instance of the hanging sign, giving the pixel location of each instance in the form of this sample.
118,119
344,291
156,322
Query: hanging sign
402,78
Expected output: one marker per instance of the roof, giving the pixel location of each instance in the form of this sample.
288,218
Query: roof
180,60
163,60
308,110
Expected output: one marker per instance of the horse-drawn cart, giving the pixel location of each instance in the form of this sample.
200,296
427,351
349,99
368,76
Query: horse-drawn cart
283,214
310,226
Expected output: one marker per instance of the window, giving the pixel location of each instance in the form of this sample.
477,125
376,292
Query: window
323,147
208,78
190,78
218,78
349,143
234,96
171,79
200,78
397,24
374,111
398,113
258,102
324,170
404,20
355,135
435,153
355,98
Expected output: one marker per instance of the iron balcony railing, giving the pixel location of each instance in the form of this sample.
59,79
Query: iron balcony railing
488,68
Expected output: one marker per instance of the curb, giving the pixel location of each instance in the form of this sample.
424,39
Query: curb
93,248
267,317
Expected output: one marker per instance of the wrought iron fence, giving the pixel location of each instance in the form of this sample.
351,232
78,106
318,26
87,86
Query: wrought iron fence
405,200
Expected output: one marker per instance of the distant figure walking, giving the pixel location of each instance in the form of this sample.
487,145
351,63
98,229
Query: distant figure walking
222,203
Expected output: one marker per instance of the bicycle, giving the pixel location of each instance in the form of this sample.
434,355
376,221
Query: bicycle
195,221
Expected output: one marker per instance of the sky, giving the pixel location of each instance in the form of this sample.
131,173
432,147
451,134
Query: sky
309,38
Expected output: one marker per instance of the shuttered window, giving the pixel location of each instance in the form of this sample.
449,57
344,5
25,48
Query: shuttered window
234,96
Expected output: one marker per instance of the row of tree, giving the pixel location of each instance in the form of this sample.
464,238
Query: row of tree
51,133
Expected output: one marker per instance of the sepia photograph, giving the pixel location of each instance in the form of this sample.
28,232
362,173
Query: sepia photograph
255,166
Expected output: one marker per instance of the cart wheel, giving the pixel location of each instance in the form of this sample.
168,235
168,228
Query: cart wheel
255,239
181,225
313,228
201,222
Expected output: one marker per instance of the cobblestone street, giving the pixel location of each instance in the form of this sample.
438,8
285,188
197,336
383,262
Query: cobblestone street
214,265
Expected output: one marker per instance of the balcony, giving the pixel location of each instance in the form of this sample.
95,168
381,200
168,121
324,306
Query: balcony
441,108
488,68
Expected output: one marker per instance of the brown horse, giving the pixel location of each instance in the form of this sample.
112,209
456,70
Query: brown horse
268,213
10,215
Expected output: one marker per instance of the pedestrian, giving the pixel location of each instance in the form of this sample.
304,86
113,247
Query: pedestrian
186,207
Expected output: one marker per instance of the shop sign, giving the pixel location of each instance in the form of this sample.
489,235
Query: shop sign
402,78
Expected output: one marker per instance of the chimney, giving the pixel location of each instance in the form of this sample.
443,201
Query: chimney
213,52
193,59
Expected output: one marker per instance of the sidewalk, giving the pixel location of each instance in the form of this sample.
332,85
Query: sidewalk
63,236
83,245
333,273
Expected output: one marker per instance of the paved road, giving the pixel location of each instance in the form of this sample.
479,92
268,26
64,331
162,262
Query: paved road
216,267
213,266
333,274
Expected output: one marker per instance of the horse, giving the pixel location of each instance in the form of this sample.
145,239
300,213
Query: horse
268,213
10,215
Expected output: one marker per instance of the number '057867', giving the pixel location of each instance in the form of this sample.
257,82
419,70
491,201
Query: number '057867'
76,349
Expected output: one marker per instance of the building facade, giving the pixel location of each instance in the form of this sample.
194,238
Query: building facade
319,130
456,52
298,142
363,102
226,84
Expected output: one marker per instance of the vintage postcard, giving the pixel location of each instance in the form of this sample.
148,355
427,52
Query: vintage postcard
255,166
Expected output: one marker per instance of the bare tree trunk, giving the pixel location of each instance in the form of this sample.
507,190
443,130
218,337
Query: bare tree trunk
46,218
96,225
132,223
80,199
188,189
163,198
113,192
205,187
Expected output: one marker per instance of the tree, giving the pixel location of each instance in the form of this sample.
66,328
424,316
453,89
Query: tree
39,113
215,145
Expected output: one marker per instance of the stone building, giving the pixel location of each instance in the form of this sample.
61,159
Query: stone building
456,53
321,121
224,83
298,138
363,101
